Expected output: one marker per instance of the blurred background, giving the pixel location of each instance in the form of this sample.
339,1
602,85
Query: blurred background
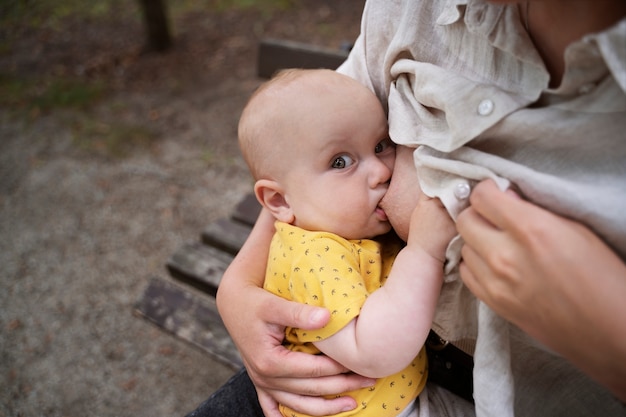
116,147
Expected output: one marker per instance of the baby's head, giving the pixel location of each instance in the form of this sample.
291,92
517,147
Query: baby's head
317,145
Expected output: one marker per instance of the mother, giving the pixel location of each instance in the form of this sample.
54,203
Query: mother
533,92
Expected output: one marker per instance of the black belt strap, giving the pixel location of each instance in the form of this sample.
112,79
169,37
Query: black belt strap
450,367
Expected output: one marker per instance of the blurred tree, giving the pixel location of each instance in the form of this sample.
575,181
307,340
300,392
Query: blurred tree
157,28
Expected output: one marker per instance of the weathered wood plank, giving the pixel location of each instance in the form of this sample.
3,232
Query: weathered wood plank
199,265
277,54
189,316
247,210
226,234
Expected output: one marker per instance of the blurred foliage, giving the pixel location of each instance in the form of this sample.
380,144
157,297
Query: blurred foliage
33,95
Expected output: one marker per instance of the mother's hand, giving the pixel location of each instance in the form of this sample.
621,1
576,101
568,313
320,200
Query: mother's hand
256,320
550,276
297,380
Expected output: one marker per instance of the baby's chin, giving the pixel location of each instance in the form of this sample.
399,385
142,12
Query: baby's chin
379,230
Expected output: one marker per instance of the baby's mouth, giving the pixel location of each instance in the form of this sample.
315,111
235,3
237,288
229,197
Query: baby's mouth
380,212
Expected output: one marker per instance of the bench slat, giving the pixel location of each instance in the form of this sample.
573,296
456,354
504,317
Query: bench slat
226,234
247,210
276,54
190,317
199,265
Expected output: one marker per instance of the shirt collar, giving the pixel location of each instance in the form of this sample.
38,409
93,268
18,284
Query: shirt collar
611,45
495,22
452,11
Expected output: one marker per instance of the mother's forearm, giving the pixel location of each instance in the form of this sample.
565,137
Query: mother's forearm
247,269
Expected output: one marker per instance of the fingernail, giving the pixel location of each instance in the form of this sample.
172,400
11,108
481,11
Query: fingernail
368,383
349,407
317,317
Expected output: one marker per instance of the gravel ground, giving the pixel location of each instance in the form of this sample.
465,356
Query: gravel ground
81,237
86,220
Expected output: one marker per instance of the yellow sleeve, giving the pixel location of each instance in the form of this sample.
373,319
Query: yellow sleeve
327,274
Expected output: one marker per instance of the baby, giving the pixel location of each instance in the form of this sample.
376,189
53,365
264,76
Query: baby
318,148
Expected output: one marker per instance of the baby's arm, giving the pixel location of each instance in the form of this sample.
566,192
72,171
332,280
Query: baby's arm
395,320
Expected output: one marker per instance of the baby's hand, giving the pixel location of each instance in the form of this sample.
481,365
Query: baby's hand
431,227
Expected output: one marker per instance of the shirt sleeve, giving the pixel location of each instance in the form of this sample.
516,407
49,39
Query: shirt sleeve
327,274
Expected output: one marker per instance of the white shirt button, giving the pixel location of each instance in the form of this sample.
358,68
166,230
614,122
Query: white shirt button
485,107
462,190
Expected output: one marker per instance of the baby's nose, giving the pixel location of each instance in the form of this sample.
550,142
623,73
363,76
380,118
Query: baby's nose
381,173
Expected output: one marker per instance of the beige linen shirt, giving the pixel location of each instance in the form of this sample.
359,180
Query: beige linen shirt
464,85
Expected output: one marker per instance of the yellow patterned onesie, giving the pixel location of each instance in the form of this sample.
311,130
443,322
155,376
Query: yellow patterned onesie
323,269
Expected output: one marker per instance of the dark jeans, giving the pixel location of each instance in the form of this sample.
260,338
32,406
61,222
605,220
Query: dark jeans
236,398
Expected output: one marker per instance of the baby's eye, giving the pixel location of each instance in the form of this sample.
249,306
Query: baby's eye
383,145
342,161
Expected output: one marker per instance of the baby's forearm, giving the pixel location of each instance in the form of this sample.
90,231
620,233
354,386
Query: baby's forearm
394,321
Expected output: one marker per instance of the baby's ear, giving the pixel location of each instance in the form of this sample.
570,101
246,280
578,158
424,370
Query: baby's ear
272,196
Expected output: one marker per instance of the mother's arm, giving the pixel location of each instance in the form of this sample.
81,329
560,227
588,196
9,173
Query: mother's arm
256,321
550,276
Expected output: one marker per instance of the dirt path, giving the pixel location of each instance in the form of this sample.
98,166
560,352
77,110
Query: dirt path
81,237
83,230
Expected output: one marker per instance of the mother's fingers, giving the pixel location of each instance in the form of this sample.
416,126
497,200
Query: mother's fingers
478,232
286,365
306,395
470,269
490,268
268,404
502,209
274,309
328,385
484,282
314,406
307,375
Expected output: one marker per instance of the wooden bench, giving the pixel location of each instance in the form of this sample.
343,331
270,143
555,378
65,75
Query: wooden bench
184,303
191,313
